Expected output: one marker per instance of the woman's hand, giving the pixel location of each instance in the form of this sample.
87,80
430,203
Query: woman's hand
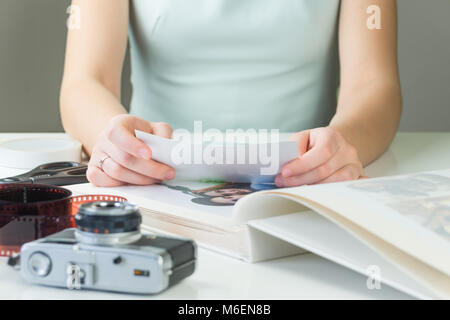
127,160
324,156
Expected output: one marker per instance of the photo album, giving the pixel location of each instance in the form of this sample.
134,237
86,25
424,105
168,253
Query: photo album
399,225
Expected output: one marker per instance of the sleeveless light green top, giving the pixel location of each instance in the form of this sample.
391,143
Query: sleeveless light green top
234,63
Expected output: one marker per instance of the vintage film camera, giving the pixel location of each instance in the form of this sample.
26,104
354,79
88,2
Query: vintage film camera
107,252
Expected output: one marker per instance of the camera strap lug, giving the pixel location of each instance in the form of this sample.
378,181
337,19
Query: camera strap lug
14,261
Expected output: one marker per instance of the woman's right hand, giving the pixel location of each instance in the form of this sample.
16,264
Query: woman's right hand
127,160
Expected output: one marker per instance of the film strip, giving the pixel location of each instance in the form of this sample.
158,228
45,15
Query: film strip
30,211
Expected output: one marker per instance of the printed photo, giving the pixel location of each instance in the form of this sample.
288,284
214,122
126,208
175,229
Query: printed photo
432,213
414,186
224,194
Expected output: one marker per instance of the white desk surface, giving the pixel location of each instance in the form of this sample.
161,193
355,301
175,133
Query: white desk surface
304,276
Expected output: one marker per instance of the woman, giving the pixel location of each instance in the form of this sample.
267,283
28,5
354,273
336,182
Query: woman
233,64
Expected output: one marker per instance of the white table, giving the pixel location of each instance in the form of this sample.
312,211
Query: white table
304,276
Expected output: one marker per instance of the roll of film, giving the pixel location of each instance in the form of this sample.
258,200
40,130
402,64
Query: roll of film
30,211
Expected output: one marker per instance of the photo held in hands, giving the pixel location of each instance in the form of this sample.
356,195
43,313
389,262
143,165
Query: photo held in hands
234,156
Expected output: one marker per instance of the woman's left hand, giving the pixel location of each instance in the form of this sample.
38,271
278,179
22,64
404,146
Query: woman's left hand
324,156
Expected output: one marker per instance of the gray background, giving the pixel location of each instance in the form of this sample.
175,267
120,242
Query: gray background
32,41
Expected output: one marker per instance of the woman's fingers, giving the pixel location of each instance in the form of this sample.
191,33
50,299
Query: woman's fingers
119,172
302,139
162,129
148,168
100,179
347,173
128,159
122,138
319,173
115,172
133,122
333,171
329,158
121,134
323,148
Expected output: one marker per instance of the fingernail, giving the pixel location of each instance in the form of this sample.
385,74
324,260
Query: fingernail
286,172
170,175
278,182
145,154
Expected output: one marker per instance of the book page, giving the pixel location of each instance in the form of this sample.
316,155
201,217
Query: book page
410,212
307,230
209,203
424,198
420,252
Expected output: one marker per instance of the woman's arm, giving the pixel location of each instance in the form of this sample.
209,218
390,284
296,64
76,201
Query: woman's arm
90,99
369,104
90,92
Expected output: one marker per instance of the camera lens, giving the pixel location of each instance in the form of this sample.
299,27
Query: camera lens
108,223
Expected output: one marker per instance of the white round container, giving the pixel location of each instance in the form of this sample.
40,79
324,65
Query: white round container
28,153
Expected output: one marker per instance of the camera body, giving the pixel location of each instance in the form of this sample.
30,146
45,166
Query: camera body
101,256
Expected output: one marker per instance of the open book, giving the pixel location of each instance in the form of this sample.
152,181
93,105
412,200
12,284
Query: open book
395,228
